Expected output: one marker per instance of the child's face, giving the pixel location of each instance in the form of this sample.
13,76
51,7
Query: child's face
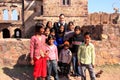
71,27
47,32
87,38
50,24
42,30
77,31
66,47
51,41
52,33
61,28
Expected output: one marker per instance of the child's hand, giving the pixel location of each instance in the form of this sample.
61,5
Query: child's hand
93,65
32,62
79,63
46,53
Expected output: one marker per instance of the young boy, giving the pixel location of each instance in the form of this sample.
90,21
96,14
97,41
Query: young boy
65,59
76,40
86,57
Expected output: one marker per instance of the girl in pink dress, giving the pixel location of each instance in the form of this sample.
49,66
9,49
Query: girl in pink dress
52,53
38,54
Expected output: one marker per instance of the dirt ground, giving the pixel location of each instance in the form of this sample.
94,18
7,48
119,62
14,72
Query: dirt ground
25,73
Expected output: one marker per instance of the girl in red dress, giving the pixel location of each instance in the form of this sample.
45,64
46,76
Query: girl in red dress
38,54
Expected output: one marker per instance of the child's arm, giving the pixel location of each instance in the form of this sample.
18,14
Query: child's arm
93,56
56,52
60,56
69,57
32,50
79,55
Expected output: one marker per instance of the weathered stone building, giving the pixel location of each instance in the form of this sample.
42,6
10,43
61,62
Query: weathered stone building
10,18
49,10
38,11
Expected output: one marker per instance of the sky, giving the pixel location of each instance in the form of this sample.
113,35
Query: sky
103,5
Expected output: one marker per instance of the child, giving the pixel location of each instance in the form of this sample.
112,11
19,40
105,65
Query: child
37,53
60,37
52,32
49,24
65,59
70,31
51,49
86,57
47,31
76,40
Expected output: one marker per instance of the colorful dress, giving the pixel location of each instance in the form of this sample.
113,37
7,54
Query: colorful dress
37,51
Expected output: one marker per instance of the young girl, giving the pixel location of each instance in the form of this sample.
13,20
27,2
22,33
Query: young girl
60,37
52,53
49,24
70,31
65,59
52,32
47,31
37,53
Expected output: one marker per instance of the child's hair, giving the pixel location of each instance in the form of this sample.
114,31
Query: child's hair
49,38
61,26
48,23
47,28
38,26
87,33
52,30
70,23
77,28
66,43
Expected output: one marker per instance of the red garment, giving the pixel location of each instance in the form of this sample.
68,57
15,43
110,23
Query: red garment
40,67
37,45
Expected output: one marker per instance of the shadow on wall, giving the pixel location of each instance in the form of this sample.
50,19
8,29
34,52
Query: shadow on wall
23,60
95,31
21,71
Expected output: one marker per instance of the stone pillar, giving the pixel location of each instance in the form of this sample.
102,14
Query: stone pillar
9,14
11,29
1,34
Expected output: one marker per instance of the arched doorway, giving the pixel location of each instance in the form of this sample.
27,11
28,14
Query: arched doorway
6,33
17,33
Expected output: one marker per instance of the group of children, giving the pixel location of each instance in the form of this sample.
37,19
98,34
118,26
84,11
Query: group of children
52,47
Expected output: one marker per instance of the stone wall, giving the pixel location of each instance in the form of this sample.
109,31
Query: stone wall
103,18
14,52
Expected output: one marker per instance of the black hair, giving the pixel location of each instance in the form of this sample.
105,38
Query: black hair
47,23
68,26
87,33
38,26
52,30
77,27
70,23
60,27
50,37
47,28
